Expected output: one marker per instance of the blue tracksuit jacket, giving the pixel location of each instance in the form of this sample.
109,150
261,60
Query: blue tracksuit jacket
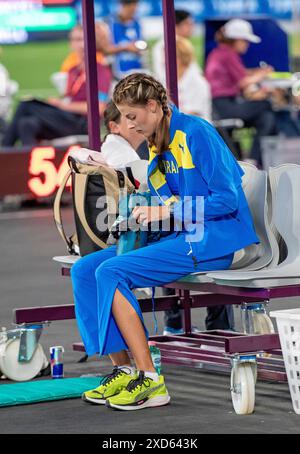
205,167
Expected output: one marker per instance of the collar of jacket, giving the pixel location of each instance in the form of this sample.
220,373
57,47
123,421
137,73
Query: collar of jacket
156,179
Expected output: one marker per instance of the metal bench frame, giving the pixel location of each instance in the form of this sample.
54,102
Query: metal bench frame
190,296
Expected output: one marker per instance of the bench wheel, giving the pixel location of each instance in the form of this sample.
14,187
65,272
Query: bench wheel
243,389
262,324
15,370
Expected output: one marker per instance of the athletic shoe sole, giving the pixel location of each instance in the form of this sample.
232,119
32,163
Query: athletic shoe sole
90,400
157,401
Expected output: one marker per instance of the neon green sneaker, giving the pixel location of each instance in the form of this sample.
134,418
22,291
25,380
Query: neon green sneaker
143,392
112,384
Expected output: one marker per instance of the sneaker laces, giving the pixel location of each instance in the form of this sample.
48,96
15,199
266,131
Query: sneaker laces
110,377
140,381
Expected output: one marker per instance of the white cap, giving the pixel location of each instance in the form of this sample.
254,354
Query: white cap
240,29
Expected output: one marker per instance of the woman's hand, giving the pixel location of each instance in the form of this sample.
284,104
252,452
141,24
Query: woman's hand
145,215
256,95
56,102
131,47
255,76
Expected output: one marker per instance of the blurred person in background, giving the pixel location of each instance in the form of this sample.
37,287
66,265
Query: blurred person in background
193,89
104,47
73,59
296,101
184,29
36,120
235,89
122,145
287,120
8,89
125,32
102,36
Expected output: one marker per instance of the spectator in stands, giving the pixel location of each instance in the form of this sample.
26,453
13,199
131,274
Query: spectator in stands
105,51
297,103
234,88
35,120
122,145
102,36
104,47
126,31
287,122
8,88
184,29
193,89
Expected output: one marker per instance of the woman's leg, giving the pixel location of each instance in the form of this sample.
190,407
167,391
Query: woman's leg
40,116
265,125
53,122
254,113
29,129
85,297
86,308
126,317
219,317
120,318
60,123
11,135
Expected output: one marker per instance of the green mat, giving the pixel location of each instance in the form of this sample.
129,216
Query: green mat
45,390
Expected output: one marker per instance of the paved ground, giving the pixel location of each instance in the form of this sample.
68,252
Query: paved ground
201,401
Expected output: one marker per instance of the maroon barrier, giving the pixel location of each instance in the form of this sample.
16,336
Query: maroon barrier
36,172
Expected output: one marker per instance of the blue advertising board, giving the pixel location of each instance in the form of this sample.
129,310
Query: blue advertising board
229,8
207,9
22,20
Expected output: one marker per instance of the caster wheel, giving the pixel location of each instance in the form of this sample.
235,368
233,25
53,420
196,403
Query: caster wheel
15,370
243,389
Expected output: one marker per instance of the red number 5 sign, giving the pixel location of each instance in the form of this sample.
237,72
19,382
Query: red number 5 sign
46,177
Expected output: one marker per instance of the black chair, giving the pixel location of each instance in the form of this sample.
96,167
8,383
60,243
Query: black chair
225,128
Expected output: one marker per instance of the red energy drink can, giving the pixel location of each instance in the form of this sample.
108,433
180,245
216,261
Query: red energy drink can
56,361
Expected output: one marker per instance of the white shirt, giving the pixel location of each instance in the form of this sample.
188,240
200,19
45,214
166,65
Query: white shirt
7,89
117,152
193,89
158,61
194,93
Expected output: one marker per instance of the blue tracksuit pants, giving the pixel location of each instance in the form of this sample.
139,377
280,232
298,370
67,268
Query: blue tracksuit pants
96,277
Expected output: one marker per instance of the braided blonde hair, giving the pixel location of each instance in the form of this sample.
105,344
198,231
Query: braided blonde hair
138,89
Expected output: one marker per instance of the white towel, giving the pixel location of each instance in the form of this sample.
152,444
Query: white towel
86,156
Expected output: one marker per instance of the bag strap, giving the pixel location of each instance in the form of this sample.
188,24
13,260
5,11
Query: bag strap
57,213
121,179
79,197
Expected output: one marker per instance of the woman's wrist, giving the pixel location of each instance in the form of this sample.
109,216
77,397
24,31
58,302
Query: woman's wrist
165,211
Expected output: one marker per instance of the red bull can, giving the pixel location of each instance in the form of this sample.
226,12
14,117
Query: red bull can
56,361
